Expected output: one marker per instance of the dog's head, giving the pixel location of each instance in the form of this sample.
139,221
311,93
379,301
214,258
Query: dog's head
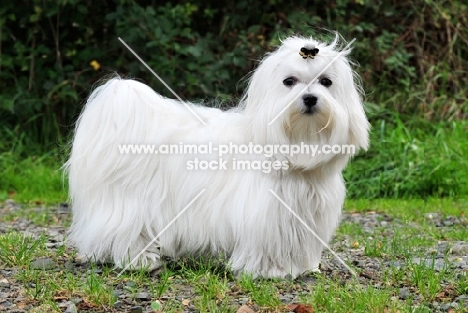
306,92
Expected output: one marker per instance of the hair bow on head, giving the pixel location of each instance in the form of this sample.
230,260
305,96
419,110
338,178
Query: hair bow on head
308,53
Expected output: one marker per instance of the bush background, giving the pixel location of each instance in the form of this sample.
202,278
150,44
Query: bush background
413,57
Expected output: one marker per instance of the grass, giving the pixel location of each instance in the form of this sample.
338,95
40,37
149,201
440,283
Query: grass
411,158
18,249
208,286
30,173
332,297
35,179
262,292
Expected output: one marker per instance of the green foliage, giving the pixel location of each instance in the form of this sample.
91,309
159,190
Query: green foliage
53,52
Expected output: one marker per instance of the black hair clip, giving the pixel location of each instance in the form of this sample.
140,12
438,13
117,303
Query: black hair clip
308,53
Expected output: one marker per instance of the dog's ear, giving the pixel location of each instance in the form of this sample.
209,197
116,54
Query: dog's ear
350,94
358,123
264,110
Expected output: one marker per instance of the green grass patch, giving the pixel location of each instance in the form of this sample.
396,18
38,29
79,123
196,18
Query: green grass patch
34,179
262,292
17,249
332,297
411,158
409,209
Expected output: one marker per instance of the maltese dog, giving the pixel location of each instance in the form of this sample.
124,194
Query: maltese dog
260,184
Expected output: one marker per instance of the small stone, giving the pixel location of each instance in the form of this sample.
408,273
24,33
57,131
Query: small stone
358,263
116,293
308,279
4,295
462,298
243,300
52,232
397,264
71,308
69,265
9,203
63,208
143,296
58,238
50,245
136,309
4,282
43,264
285,299
439,264
404,293
431,216
76,300
444,306
460,248
5,304
457,261
64,304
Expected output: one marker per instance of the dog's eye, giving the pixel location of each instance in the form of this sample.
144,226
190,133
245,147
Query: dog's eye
326,82
290,81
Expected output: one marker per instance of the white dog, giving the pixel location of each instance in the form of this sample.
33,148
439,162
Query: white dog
305,90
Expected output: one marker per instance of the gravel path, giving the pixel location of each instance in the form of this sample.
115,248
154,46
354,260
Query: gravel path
13,298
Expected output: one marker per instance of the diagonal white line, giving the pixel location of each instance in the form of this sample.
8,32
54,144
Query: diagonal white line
163,82
312,81
314,233
161,232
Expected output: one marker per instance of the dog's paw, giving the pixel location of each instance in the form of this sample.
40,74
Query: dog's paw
84,259
149,261
81,259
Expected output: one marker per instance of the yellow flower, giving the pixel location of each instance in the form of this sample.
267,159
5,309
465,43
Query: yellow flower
95,65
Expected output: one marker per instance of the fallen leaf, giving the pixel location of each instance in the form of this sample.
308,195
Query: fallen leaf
186,302
292,306
300,308
245,309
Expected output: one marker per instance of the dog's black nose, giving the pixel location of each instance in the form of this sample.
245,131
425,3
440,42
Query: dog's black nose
309,101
